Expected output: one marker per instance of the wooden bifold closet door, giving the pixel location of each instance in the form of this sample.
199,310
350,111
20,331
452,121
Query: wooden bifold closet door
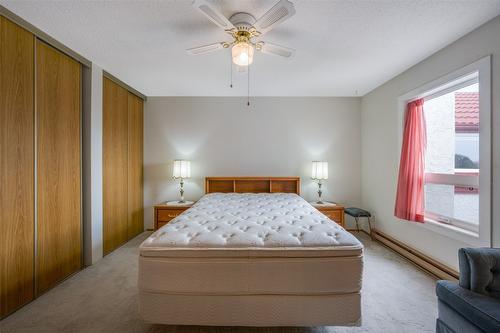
17,204
40,166
58,114
135,143
122,165
115,165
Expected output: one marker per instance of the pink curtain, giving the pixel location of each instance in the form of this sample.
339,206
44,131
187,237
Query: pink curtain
410,192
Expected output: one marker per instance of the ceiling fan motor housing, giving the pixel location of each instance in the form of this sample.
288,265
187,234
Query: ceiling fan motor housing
242,21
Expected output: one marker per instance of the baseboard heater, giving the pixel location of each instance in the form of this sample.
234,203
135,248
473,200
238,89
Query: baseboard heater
424,262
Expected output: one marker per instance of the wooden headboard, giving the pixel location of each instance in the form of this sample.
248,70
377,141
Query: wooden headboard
252,184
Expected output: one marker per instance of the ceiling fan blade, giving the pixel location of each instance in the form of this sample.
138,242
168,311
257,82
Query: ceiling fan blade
205,49
275,49
280,12
213,14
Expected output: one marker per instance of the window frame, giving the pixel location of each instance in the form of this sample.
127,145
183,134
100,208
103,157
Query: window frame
448,83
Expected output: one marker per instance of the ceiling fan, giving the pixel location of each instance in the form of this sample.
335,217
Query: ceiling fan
243,28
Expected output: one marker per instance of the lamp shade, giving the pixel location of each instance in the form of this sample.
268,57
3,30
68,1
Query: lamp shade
182,169
319,170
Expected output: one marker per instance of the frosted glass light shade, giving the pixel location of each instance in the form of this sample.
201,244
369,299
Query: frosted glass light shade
319,170
242,54
182,169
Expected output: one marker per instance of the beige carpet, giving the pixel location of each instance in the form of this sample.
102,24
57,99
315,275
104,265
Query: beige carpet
396,296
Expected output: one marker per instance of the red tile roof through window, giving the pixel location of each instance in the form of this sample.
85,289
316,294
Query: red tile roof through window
467,112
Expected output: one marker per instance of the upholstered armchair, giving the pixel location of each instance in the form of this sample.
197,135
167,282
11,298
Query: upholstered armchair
473,305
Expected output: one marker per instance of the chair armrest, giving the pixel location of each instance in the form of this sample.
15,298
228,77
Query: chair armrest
482,311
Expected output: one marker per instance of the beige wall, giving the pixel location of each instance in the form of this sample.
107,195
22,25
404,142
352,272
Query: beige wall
273,137
380,140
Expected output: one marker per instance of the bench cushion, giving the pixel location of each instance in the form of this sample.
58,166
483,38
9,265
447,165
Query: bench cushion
357,212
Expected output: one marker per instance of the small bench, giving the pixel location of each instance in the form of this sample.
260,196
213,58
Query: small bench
357,213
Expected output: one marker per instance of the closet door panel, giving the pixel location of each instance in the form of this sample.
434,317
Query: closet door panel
115,165
58,112
16,166
135,139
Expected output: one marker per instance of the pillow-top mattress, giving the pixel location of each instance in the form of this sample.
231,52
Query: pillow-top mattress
263,224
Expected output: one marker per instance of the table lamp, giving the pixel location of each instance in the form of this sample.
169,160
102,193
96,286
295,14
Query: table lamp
182,170
319,173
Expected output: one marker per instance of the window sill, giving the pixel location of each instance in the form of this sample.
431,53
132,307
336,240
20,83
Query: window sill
451,231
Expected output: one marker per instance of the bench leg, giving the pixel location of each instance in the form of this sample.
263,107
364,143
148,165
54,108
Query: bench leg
357,223
370,226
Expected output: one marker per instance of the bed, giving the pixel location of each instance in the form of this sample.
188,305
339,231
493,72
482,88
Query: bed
251,252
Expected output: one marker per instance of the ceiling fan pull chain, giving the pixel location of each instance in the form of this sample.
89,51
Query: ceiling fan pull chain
248,76
248,87
231,64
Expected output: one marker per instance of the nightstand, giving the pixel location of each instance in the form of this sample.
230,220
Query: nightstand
332,210
169,210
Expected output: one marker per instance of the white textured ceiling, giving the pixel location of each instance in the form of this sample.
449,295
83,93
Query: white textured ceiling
344,48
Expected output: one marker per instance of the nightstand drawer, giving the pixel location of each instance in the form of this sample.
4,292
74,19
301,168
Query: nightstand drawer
334,212
335,215
165,215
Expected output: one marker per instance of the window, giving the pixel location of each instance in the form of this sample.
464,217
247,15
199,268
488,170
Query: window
452,154
457,160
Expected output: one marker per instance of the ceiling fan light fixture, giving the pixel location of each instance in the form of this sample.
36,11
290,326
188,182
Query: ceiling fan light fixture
242,54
